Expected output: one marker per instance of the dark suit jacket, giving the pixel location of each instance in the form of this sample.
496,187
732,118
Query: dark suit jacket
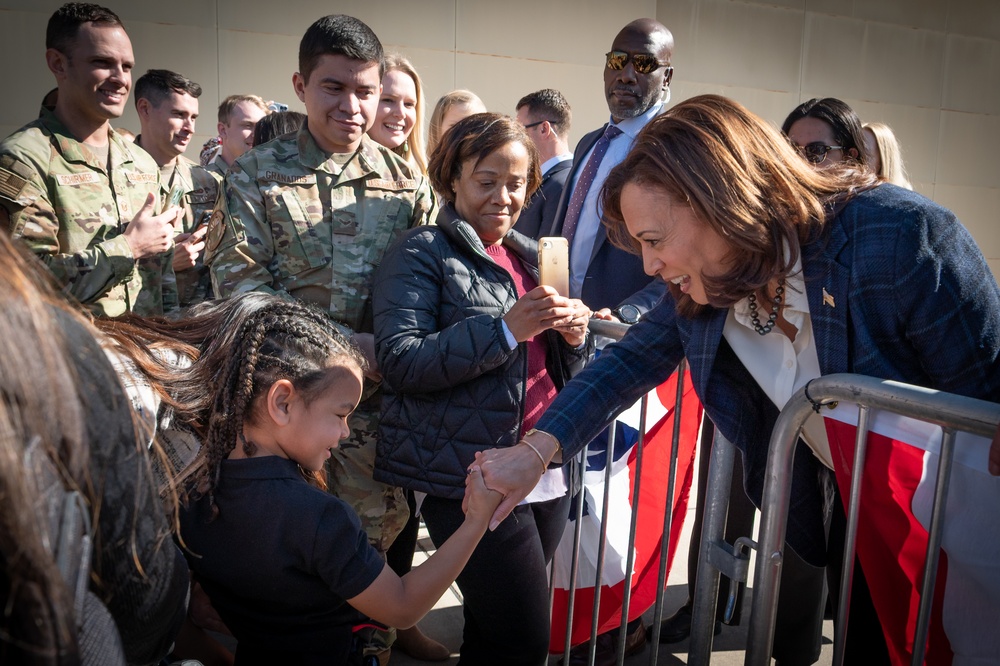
913,301
540,211
614,276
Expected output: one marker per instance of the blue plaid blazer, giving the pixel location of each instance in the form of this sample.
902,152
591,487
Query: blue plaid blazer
913,300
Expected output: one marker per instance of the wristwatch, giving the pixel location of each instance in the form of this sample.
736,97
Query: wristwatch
627,313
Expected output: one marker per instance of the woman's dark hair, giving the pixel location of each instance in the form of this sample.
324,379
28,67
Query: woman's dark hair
241,346
276,124
742,179
839,116
476,137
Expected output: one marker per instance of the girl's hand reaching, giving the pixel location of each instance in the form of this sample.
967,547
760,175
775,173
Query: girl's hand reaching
480,502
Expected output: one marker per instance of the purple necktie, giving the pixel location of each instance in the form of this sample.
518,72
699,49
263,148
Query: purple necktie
586,180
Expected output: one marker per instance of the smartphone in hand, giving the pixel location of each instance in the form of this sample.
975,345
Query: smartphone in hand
176,195
553,263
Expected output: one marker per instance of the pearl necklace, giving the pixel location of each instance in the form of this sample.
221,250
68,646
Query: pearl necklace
764,329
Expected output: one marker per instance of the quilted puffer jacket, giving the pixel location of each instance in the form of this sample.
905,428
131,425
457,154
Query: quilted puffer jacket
451,385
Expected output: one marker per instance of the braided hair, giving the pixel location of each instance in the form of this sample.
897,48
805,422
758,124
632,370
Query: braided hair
262,341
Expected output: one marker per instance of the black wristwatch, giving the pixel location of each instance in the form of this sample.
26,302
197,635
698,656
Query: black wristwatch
627,313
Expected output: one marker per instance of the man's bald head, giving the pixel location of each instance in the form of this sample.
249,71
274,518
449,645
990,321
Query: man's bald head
631,93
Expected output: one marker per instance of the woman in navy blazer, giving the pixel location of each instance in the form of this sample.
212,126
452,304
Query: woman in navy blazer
721,207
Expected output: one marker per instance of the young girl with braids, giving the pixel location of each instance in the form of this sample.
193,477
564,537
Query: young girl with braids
285,564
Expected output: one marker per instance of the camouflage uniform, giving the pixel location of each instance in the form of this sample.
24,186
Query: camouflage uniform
292,221
201,189
71,210
217,167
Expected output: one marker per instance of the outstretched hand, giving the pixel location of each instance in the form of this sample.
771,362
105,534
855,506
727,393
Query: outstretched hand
513,472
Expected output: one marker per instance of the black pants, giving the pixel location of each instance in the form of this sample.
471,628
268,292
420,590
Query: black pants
505,584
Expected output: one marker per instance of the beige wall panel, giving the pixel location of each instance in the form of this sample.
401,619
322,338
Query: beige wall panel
902,65
928,14
259,64
977,208
727,48
570,31
971,80
788,4
968,151
977,18
917,131
994,265
427,24
510,79
830,7
926,189
771,105
22,41
832,57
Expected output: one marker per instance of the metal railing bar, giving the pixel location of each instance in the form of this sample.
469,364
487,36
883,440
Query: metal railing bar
947,410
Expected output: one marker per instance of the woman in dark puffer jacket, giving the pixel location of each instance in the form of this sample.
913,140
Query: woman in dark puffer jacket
472,350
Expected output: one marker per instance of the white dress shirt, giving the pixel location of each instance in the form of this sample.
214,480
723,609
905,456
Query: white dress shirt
590,218
779,365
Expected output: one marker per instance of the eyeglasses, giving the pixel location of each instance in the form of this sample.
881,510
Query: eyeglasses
815,152
644,63
539,122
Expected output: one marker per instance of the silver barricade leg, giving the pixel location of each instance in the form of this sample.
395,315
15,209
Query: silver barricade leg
574,564
706,589
851,538
630,558
933,545
668,515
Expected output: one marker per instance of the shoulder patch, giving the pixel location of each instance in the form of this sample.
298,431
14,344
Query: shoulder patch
201,196
216,231
394,185
83,178
11,184
140,177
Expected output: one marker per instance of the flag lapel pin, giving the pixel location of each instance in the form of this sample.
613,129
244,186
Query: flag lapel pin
828,299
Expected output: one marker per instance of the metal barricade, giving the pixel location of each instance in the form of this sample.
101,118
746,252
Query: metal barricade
616,331
953,413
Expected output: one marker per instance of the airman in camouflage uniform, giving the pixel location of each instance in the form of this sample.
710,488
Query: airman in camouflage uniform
167,104
74,191
70,208
296,221
201,189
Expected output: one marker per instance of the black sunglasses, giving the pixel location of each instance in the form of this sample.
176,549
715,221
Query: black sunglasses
815,152
644,63
539,122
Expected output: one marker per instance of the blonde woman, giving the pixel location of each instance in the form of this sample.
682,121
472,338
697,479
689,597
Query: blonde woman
401,112
884,156
451,108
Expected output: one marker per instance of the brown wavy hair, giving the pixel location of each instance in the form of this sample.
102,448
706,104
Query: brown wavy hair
476,137
743,179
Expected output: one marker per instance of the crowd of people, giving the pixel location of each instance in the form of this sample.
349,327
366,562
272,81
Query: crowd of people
234,387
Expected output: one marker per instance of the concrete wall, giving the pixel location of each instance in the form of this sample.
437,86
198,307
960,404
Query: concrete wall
928,68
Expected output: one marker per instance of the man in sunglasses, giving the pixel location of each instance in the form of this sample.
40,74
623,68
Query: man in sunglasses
609,280
636,84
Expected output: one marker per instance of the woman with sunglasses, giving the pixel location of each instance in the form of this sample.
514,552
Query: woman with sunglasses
778,274
825,131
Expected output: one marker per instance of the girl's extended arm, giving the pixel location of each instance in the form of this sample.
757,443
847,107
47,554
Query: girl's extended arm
401,602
